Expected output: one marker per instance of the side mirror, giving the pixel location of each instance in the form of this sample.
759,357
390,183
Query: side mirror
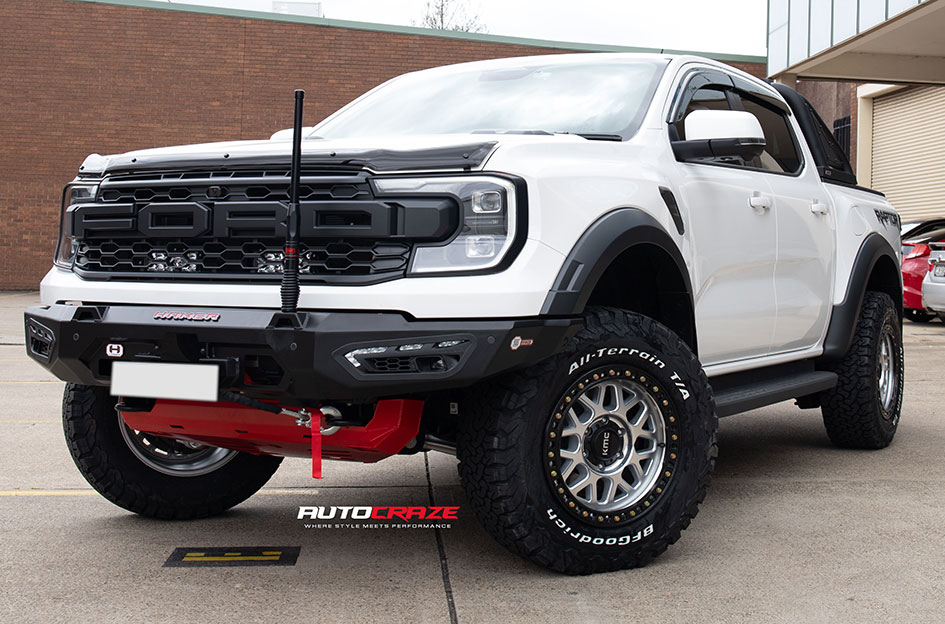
720,134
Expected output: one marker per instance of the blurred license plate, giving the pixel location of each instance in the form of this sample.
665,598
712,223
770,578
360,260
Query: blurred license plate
939,270
160,380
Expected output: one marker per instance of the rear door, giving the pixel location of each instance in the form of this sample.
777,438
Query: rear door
806,236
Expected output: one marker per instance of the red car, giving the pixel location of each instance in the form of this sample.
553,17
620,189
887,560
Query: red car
915,264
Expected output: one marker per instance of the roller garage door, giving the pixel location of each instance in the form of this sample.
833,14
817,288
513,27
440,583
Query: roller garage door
909,151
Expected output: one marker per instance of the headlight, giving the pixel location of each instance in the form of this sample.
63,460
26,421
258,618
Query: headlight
76,192
488,226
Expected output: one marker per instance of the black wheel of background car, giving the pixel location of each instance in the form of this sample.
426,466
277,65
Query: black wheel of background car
863,410
597,458
919,316
151,475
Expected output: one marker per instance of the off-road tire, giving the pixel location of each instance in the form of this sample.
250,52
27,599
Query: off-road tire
853,411
504,441
104,458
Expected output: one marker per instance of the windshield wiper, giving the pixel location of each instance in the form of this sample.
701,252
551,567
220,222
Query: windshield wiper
510,132
590,136
600,137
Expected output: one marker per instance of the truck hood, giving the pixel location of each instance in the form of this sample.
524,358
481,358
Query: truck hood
381,154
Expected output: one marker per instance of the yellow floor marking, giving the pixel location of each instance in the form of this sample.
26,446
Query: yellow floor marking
232,554
48,493
245,558
196,555
272,552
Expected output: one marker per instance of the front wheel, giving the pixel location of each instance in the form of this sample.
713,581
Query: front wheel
597,458
153,475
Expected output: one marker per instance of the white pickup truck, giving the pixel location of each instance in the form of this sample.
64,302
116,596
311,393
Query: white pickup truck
563,269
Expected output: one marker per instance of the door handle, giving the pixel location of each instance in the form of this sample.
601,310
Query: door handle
759,202
818,208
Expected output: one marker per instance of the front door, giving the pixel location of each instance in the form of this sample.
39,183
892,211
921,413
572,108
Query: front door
733,223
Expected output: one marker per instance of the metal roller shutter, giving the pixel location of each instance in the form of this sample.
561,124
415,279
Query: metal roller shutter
909,151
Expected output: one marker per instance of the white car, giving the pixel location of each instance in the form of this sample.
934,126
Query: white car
933,284
561,268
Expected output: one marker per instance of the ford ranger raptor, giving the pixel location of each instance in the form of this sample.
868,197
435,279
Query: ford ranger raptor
563,269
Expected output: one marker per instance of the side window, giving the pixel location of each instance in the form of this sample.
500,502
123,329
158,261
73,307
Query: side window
706,98
836,157
780,153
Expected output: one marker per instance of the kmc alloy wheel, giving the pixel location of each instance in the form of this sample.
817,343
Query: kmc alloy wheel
610,445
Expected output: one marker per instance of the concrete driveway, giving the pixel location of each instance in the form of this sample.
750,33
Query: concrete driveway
793,530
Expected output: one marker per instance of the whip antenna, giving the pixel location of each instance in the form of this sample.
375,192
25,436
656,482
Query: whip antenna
290,272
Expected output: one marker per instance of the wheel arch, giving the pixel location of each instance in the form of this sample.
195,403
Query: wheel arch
875,268
627,245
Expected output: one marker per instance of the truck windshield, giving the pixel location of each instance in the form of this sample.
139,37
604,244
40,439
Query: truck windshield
598,99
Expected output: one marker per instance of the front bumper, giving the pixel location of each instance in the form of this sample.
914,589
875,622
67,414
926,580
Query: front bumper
266,354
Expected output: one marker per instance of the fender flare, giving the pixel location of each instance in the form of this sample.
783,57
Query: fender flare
845,315
599,245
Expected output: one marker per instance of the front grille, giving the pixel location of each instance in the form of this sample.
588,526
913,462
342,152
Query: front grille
231,257
231,225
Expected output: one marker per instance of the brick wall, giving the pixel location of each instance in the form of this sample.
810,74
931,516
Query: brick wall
79,77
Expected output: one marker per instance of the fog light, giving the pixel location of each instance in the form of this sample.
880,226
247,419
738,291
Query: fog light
352,355
446,344
274,267
480,247
410,347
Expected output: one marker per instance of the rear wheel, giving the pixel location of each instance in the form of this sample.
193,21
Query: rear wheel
597,458
863,410
153,475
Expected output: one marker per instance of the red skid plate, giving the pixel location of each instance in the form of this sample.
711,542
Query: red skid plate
234,426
